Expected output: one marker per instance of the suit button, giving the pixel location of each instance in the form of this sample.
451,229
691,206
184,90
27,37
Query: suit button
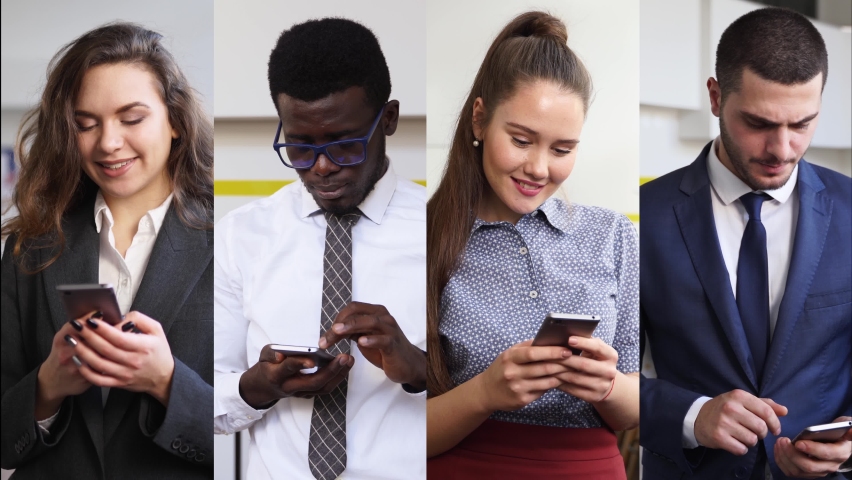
741,472
191,453
184,448
176,444
199,457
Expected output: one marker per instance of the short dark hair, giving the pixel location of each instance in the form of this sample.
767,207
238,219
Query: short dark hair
777,44
317,58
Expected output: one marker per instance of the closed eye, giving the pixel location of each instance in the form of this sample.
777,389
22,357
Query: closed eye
520,143
133,122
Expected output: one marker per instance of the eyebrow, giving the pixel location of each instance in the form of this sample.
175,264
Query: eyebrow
129,106
758,119
334,136
533,132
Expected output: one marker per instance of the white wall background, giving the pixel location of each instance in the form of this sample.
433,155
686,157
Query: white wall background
678,47
605,34
246,32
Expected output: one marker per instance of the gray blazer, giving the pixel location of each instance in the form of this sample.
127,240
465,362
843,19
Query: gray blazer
133,436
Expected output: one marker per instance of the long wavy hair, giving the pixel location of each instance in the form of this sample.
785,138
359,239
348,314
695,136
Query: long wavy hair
52,181
532,47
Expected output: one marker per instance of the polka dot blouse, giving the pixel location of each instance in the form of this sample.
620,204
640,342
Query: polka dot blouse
560,258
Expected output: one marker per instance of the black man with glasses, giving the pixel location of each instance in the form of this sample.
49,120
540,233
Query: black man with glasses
335,261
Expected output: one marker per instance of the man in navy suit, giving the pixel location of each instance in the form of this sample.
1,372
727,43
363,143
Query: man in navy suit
746,275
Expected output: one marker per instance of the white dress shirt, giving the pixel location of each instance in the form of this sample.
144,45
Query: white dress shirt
124,273
268,289
779,216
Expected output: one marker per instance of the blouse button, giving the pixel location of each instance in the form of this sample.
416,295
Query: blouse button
124,283
523,250
533,294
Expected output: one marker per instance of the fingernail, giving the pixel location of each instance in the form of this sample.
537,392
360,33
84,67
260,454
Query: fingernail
339,328
77,325
363,341
136,330
322,342
342,361
91,323
127,326
566,354
802,446
76,361
279,356
573,341
70,340
98,314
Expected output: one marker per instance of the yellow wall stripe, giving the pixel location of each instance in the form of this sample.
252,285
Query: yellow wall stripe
257,188
644,180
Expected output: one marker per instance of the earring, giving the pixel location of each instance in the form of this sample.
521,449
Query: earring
475,143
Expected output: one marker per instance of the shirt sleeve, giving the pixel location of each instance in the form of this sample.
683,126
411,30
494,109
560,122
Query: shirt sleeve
230,412
689,440
45,424
626,340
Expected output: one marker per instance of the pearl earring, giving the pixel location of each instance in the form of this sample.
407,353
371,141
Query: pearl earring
476,143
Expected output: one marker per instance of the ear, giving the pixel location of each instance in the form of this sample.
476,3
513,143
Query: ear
478,117
391,117
715,93
175,134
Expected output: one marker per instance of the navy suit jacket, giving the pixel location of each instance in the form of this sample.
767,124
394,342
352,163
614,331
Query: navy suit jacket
133,436
693,327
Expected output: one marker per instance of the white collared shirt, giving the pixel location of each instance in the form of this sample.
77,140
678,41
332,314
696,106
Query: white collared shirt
779,216
268,289
123,273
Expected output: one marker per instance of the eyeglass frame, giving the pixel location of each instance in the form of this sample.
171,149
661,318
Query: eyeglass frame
317,149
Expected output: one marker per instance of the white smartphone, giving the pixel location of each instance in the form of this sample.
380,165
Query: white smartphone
557,327
320,357
827,433
83,298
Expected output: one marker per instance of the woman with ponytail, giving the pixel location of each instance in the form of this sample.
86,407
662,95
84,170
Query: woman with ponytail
502,254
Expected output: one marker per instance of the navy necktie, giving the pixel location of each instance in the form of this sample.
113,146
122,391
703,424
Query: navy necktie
753,282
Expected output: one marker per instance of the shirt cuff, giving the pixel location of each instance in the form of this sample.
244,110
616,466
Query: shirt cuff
688,440
231,411
45,424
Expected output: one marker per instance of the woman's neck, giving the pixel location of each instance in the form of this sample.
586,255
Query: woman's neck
127,212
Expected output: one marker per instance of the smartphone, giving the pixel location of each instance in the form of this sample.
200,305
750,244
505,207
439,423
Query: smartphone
320,357
557,327
829,432
84,298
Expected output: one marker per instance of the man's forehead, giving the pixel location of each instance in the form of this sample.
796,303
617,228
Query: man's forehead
776,101
348,104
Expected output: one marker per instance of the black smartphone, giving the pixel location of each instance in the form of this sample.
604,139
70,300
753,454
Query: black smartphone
320,357
84,298
828,432
557,327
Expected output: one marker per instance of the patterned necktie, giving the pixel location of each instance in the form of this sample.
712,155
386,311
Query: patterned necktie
327,448
753,282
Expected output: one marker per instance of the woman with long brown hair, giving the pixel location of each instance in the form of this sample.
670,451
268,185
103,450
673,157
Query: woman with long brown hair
115,187
502,254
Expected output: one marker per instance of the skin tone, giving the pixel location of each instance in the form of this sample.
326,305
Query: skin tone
529,147
766,127
339,190
122,122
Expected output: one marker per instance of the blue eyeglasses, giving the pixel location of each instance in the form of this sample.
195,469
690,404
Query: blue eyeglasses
345,153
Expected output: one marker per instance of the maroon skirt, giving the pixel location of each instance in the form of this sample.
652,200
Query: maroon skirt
504,450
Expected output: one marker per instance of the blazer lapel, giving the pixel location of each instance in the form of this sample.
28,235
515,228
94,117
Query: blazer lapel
78,263
698,227
178,259
811,230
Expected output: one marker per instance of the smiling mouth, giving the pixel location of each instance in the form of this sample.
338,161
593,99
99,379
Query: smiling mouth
527,186
116,165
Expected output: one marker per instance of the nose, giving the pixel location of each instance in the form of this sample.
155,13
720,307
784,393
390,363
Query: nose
111,139
780,144
324,166
536,164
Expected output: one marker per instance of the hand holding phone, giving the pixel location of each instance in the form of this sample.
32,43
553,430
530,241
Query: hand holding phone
320,357
276,376
557,328
82,299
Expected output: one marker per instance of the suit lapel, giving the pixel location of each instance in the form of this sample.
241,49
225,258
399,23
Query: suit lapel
697,225
78,263
178,259
809,241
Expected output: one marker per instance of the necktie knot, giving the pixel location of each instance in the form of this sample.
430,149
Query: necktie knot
346,220
753,202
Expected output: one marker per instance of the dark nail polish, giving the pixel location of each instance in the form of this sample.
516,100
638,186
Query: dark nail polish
136,330
98,315
77,361
70,340
77,325
127,326
91,323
